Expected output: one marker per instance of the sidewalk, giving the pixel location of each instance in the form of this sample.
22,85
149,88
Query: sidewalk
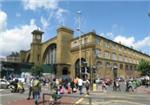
67,100
143,89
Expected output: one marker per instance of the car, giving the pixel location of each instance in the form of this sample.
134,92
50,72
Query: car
108,81
99,81
120,79
4,84
20,79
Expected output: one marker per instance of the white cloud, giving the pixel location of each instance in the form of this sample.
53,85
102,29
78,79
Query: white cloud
60,15
3,20
51,6
15,39
102,34
44,22
35,4
128,41
110,35
143,44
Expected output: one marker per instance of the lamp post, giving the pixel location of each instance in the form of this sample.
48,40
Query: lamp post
78,29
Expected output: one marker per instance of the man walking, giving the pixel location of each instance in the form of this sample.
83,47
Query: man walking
30,89
36,90
87,86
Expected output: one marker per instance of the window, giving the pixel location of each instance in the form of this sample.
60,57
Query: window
131,68
120,58
114,46
99,64
121,66
106,45
125,59
114,57
85,40
126,67
107,64
97,41
124,50
120,48
107,55
98,53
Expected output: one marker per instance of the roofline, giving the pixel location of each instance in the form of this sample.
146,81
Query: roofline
93,33
123,45
49,39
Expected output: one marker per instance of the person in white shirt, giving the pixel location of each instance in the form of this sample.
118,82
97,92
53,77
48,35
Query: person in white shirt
30,88
80,85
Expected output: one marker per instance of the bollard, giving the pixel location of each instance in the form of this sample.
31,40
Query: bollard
94,86
43,100
90,101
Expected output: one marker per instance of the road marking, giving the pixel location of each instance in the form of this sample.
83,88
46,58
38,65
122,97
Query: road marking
5,94
123,101
81,99
0,91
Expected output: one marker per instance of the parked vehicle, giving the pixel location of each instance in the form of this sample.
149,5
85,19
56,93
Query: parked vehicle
120,79
108,81
4,84
16,87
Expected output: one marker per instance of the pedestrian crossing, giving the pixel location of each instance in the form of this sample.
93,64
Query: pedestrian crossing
1,90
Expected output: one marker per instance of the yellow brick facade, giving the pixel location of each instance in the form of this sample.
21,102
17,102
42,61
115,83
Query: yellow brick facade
97,52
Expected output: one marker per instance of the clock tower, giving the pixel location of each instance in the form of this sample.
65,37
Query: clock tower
37,36
36,47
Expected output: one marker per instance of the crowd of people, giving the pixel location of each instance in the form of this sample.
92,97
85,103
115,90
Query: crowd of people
57,86
76,85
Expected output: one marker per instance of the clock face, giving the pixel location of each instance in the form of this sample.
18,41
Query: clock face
38,37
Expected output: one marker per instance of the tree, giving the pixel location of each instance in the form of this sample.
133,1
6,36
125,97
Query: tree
144,67
37,70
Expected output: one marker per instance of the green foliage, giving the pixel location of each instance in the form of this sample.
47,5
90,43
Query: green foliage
37,70
144,67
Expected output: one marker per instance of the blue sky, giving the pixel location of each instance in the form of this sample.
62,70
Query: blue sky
122,21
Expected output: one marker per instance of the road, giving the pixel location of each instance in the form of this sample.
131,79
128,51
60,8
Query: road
99,98
117,98
7,97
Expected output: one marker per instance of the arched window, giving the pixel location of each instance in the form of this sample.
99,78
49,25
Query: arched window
77,67
99,64
50,54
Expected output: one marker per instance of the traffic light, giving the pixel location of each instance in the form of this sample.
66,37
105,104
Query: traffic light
88,69
94,69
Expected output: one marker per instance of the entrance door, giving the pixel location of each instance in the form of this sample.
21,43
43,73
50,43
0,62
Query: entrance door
115,73
65,73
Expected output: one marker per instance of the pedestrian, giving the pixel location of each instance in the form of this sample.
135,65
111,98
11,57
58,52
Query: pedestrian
104,88
87,86
129,86
117,85
36,90
72,85
147,81
114,86
80,85
30,89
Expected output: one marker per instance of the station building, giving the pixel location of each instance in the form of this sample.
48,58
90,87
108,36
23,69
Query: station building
89,55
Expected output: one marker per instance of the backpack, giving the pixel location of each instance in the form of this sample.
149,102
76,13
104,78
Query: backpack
87,84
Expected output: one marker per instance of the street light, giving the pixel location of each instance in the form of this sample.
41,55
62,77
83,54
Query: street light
78,29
